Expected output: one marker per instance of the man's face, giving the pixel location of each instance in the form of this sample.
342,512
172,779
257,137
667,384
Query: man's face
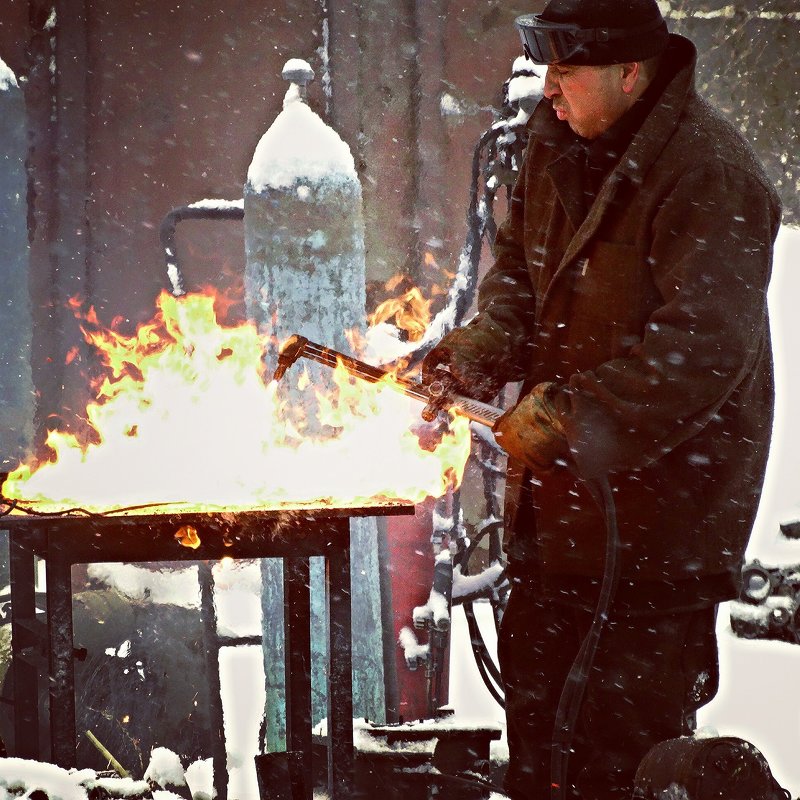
589,99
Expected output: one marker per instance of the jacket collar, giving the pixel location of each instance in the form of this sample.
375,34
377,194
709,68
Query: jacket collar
660,123
644,149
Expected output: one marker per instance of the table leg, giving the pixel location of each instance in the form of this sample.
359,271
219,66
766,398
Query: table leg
63,742
341,756
297,652
211,646
23,649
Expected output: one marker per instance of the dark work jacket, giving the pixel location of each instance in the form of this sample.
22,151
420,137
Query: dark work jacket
649,312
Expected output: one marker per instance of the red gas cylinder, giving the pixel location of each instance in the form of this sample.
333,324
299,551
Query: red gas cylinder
411,565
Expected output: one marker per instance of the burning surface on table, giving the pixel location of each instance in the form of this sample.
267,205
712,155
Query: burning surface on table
186,420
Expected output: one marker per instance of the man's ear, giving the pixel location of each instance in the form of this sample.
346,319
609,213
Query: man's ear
630,75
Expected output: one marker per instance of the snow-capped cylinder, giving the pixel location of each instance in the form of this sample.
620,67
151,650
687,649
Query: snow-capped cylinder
305,274
304,229
17,399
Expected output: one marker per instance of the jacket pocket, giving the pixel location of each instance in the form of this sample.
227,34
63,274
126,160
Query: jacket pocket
611,297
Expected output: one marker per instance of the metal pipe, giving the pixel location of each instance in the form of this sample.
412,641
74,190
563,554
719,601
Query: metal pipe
206,209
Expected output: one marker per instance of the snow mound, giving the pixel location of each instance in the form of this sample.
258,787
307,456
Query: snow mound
300,148
19,776
165,768
7,77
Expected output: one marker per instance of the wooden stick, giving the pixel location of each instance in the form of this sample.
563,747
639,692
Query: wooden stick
118,768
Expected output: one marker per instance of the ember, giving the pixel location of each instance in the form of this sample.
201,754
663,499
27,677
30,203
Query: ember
185,419
187,536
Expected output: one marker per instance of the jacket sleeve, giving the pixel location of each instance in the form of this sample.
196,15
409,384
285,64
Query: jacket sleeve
711,258
506,298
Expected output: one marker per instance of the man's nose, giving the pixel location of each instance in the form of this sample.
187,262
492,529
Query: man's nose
551,85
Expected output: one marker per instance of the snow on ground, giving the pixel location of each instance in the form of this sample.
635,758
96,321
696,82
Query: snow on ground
52,780
759,697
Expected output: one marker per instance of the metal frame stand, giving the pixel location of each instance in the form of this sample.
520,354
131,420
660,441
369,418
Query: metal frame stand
292,536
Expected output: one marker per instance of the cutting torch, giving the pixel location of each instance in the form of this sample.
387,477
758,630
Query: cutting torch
437,395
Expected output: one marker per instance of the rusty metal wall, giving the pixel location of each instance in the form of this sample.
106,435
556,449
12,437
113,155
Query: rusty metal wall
396,66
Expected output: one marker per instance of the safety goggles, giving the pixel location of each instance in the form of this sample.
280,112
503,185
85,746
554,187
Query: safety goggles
555,42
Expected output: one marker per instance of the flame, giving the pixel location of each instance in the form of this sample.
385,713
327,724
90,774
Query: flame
410,311
186,419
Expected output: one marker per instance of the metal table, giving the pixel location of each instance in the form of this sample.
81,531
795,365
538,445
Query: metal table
292,535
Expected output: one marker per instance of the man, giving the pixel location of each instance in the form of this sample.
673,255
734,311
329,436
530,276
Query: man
628,295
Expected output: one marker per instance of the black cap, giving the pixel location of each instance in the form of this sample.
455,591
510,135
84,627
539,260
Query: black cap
638,30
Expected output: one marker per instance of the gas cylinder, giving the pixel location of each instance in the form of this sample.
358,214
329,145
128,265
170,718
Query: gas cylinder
305,274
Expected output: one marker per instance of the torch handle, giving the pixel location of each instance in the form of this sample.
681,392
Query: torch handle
479,412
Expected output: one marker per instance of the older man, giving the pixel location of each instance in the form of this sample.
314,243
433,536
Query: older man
628,295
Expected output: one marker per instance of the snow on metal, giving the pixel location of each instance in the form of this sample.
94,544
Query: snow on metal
482,584
300,149
7,77
416,654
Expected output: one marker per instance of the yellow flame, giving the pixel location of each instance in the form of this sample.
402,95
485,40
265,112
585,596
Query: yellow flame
186,419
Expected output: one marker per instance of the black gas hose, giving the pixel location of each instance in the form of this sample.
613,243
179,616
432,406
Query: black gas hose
569,704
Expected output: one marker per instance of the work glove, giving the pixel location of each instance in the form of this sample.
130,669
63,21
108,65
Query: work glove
464,352
531,431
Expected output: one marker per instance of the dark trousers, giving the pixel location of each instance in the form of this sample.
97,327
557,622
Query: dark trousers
650,674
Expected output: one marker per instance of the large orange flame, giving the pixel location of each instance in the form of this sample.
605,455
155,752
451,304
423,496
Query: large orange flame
186,420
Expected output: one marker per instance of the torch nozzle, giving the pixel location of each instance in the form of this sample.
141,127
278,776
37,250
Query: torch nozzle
291,350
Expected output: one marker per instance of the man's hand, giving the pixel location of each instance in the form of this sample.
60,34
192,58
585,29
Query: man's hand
464,353
531,432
